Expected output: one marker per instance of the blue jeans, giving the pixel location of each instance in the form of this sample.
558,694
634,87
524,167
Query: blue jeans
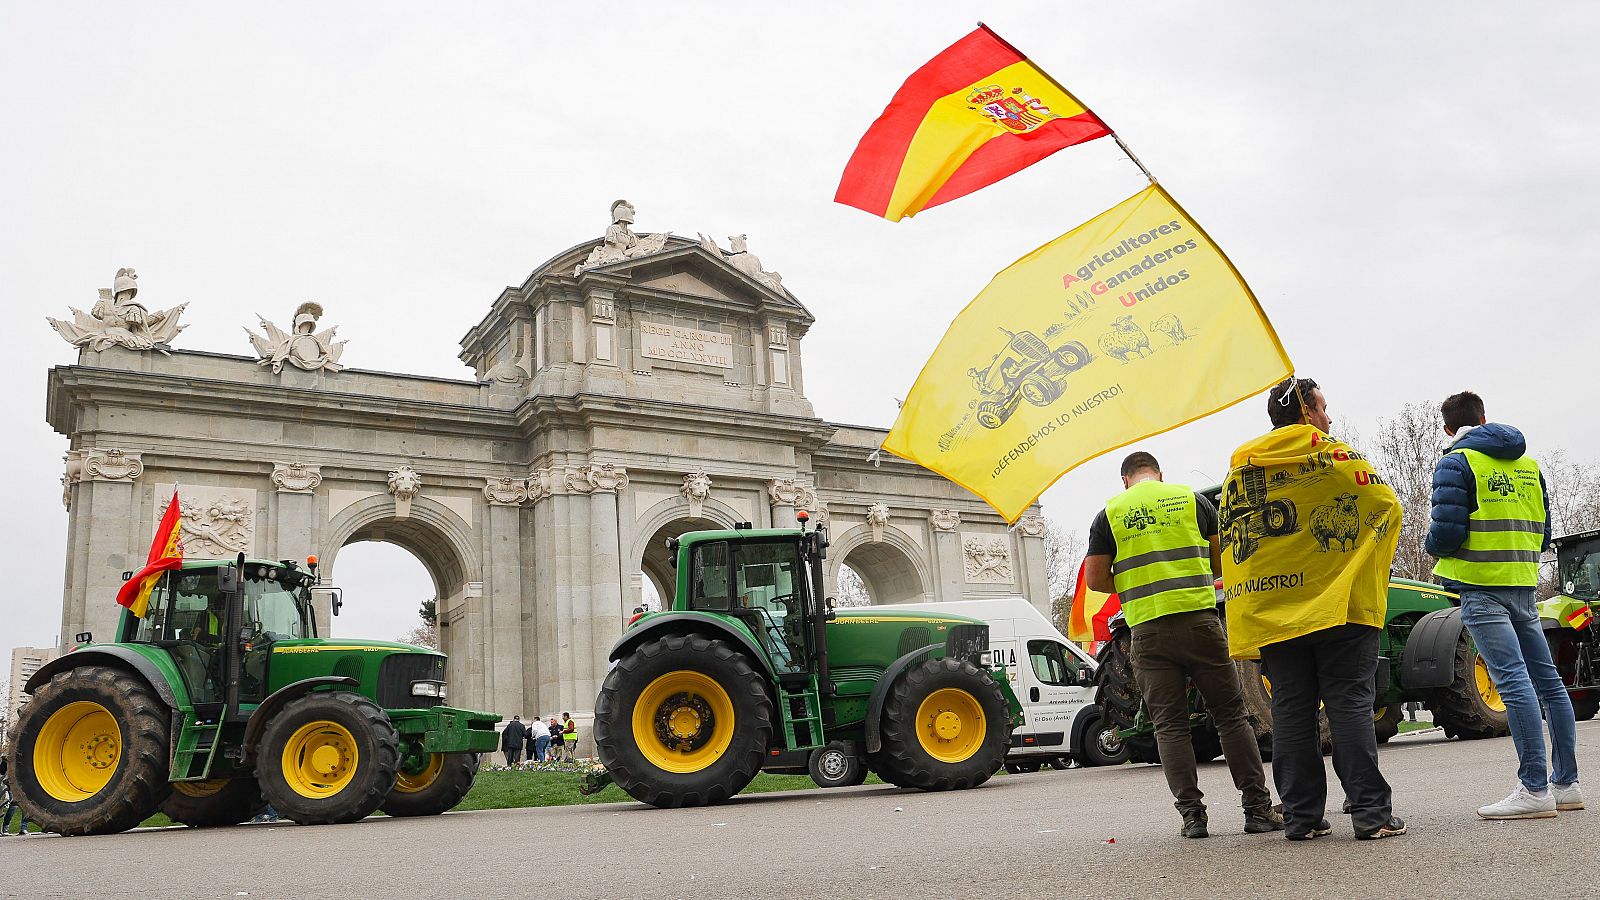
14,807
540,746
1504,623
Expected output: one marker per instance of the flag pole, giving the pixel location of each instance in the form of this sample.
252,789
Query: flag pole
1063,89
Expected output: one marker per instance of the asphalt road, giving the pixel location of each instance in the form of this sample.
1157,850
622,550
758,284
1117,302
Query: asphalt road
1047,834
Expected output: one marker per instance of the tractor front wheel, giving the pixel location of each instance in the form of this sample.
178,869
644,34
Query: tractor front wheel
684,720
1470,706
946,726
433,785
90,754
220,801
328,758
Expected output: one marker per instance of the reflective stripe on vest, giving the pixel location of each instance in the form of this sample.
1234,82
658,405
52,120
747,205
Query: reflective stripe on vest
1505,532
1163,565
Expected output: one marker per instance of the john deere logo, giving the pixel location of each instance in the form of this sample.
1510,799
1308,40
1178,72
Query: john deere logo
1139,517
1500,483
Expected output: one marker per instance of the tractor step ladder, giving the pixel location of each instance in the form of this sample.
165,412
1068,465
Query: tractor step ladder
198,744
801,711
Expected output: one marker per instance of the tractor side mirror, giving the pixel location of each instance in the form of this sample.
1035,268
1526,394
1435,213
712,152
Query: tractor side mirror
828,614
228,579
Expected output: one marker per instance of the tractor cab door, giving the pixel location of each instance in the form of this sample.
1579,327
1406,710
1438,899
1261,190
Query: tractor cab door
272,609
186,618
763,584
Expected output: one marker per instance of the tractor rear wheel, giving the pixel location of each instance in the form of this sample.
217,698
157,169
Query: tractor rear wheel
835,765
328,758
433,786
90,752
946,727
1119,698
1386,721
684,720
220,801
1470,706
1101,747
1257,691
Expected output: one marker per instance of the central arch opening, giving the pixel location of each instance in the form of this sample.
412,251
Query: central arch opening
384,587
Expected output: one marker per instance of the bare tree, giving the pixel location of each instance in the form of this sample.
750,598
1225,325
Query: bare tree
852,591
1404,449
1063,554
426,632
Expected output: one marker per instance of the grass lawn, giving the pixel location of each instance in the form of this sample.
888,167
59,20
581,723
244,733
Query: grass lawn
1414,726
516,790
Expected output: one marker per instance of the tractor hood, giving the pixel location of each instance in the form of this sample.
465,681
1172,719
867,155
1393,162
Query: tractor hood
325,645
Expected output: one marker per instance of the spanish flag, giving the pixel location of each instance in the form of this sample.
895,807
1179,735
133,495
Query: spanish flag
1580,617
974,114
166,553
1091,612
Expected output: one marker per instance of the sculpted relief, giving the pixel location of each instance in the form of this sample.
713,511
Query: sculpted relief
117,320
987,559
217,523
304,348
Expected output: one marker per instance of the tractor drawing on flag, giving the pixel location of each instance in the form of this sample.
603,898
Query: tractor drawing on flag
1249,515
1025,369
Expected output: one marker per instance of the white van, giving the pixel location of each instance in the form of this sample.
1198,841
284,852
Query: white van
1051,676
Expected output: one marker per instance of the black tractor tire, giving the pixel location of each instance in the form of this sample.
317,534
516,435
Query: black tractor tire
1100,744
73,745
436,788
365,755
1024,765
975,701
1386,721
713,775
836,765
1257,695
1207,743
1119,697
1461,708
210,804
1584,707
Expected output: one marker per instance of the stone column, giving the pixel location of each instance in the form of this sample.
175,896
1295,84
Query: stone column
786,494
570,535
475,646
549,625
294,525
1031,575
503,589
949,576
105,524
605,579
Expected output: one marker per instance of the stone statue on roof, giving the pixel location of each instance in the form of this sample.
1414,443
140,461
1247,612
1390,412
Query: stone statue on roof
117,320
620,242
304,348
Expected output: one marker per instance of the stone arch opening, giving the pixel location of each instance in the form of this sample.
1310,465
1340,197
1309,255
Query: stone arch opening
655,563
890,569
384,584
669,519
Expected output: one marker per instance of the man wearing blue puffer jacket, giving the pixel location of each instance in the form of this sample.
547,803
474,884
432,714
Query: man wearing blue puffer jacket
1490,522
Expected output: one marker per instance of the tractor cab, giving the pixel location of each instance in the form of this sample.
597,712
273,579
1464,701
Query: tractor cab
1578,565
761,579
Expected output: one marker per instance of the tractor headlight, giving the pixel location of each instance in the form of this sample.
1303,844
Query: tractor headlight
427,689
986,659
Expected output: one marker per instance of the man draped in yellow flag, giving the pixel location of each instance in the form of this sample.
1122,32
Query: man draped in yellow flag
1127,326
166,554
1308,532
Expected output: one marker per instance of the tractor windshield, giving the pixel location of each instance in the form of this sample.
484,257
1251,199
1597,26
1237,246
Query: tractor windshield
274,603
1578,563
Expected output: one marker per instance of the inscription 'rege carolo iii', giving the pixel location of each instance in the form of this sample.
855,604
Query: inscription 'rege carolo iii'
675,344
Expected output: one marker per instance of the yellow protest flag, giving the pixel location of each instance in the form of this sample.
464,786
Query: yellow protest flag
1129,325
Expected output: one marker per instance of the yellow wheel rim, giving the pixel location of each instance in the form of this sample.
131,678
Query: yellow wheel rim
1486,688
950,725
410,783
319,759
200,788
683,722
77,751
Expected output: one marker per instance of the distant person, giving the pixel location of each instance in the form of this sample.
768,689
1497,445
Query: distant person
1489,523
569,744
541,738
10,803
1309,532
511,740
1155,546
558,739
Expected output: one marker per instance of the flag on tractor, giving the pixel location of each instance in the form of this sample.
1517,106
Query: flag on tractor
974,114
1092,611
1127,326
1580,617
166,554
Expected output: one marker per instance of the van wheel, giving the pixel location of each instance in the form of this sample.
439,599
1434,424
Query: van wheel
835,766
1101,747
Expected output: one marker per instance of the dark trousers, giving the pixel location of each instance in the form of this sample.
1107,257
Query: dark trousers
1333,666
1190,646
513,755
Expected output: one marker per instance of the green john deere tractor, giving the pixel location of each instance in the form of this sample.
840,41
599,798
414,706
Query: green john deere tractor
1424,654
222,699
751,669
1570,619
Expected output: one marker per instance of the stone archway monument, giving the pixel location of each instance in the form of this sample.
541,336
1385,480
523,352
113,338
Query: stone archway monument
633,386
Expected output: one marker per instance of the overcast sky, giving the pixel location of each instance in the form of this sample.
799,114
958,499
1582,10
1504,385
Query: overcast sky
1409,188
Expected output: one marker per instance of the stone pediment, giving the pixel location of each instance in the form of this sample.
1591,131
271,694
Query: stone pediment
687,268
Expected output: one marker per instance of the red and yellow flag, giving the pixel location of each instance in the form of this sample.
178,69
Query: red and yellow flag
166,553
974,114
1091,612
1580,617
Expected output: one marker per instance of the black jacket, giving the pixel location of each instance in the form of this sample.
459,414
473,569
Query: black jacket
511,738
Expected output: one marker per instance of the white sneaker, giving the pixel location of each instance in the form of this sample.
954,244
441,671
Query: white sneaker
1522,804
1568,797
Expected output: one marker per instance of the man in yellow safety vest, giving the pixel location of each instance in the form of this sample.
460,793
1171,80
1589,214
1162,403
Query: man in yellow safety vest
1490,521
1155,545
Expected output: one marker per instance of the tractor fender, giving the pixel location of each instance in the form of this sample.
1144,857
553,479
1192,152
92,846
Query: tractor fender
281,697
672,623
109,655
1430,655
881,692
